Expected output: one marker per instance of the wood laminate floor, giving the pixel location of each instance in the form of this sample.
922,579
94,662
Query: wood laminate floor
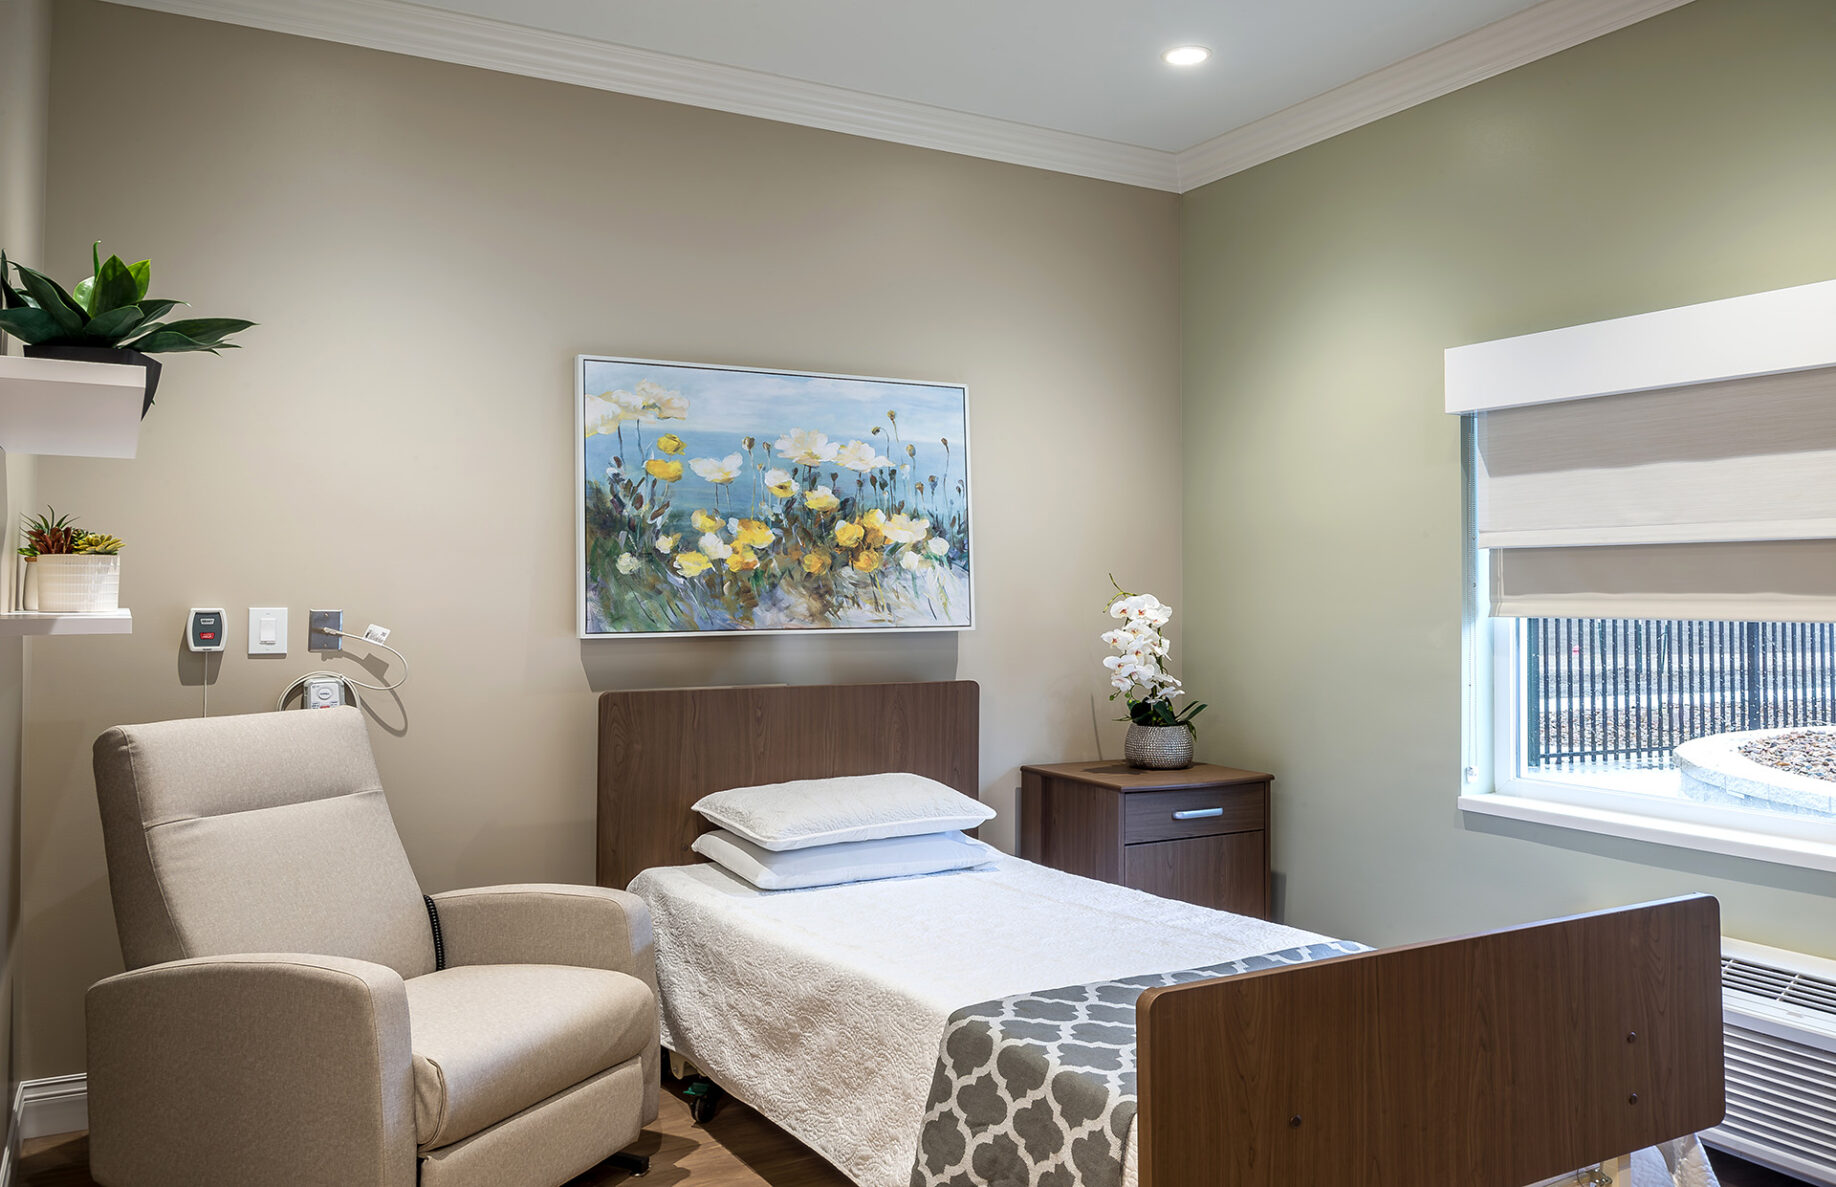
738,1148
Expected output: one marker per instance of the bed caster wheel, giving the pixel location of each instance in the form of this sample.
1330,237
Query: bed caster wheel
636,1165
703,1098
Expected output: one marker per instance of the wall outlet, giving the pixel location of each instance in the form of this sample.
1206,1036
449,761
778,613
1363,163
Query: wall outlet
267,630
316,638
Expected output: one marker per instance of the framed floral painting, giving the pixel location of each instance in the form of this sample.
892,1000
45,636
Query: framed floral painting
726,499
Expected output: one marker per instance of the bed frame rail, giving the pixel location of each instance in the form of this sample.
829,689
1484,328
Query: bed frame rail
1493,1061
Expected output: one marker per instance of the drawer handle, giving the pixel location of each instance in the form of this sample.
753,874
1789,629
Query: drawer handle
1197,813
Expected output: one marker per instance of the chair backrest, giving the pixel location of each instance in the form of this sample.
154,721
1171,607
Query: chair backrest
261,833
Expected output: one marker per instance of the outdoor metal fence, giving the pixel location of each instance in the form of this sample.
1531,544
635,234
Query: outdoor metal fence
1626,691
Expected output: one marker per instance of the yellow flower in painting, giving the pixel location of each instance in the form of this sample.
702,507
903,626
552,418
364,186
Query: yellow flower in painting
867,562
670,443
779,483
820,499
816,562
656,467
743,560
692,564
874,520
704,522
752,534
667,544
848,534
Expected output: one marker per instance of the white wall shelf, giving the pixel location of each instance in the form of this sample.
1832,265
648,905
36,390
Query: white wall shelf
70,408
33,622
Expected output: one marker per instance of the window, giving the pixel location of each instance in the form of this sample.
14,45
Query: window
1694,717
1651,625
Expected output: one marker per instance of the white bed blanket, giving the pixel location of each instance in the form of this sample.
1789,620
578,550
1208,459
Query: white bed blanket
823,1008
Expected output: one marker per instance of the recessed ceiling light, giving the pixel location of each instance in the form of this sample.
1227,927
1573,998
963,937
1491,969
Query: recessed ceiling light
1186,55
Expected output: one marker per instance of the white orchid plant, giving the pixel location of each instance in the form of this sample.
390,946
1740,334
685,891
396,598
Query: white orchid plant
1138,673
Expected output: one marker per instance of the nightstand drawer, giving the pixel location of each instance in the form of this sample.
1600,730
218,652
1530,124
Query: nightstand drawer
1192,812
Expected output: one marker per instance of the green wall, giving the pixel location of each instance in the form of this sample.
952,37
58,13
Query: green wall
1689,157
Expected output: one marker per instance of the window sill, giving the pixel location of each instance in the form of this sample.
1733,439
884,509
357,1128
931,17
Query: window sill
1709,838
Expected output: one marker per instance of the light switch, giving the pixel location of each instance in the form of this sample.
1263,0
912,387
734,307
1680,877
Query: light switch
267,630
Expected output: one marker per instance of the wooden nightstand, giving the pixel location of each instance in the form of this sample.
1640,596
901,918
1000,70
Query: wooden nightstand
1200,835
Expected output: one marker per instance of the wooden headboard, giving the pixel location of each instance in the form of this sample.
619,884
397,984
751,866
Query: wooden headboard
661,750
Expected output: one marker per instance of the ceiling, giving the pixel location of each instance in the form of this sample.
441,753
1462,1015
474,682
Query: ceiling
1074,86
1089,67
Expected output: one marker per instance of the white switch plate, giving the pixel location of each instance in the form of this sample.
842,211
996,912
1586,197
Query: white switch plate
261,629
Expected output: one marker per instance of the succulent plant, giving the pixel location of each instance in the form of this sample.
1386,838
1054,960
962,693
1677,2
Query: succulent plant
49,534
110,309
52,534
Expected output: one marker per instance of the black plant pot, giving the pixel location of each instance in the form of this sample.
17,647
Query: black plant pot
105,354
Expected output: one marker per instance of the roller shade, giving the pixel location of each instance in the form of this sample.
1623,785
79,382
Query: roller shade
1676,464
1763,581
1752,459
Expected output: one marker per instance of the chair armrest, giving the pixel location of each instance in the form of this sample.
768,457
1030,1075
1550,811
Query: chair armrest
252,1068
586,926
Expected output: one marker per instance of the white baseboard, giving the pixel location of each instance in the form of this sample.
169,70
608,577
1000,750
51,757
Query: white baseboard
10,1158
58,1104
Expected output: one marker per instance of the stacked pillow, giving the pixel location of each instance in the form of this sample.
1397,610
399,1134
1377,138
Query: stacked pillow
823,832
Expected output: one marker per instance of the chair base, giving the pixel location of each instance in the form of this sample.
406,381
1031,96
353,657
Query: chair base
636,1165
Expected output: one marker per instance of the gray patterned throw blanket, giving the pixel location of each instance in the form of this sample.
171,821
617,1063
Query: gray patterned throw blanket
1038,1089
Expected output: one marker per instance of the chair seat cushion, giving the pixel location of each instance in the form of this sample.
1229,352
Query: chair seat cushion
491,1040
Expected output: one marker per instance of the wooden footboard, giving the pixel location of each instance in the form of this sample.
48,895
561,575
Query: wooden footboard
1493,1061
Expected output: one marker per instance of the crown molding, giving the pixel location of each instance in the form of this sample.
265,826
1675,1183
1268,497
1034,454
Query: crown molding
1537,32
397,26
424,32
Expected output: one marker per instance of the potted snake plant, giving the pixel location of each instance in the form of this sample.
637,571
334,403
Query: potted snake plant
69,570
107,318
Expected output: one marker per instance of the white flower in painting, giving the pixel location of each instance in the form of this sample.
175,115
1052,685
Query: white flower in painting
779,483
938,546
714,547
599,415
806,447
628,564
914,560
662,402
903,529
667,544
858,455
719,472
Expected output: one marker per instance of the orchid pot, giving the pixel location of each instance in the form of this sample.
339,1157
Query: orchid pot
1160,732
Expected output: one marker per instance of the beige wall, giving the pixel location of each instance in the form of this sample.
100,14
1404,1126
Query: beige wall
25,92
428,247
1686,158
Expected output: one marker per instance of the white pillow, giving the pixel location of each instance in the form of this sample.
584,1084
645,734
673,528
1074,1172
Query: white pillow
797,815
850,861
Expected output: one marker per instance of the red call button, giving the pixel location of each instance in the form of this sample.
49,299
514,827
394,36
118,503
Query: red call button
207,634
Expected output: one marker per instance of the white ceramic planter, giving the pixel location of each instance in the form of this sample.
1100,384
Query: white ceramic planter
78,584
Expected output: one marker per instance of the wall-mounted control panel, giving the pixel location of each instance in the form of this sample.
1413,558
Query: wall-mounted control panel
204,629
321,692
267,630
316,622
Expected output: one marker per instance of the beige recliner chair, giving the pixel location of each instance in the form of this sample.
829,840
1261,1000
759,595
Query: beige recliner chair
288,1018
